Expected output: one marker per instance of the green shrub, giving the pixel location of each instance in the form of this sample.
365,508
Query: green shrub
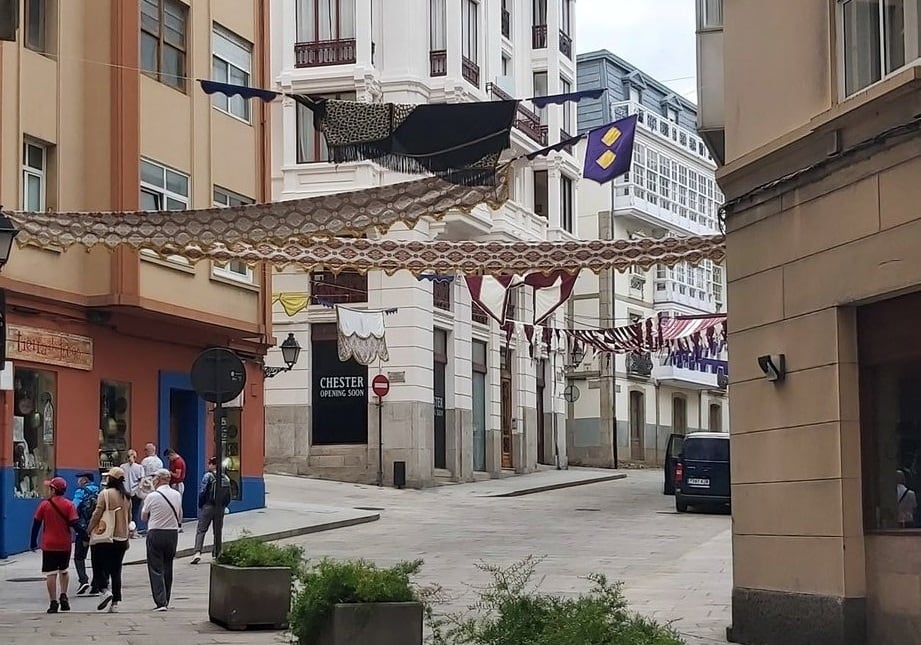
510,611
249,551
355,581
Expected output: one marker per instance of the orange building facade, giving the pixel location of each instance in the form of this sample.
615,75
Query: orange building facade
105,115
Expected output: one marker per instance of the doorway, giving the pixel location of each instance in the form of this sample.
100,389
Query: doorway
505,394
479,405
182,427
637,426
542,456
438,385
679,415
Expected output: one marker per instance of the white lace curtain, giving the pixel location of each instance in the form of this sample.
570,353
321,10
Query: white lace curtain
319,20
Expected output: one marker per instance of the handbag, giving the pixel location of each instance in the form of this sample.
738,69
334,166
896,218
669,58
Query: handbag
104,532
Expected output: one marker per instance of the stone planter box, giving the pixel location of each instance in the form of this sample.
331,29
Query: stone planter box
380,623
249,598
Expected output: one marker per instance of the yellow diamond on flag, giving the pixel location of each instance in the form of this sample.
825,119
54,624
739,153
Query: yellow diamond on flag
606,159
611,136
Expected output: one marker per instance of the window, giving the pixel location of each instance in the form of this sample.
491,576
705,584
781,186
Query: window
540,12
709,14
541,88
34,173
438,39
672,115
321,20
700,449
636,95
163,189
34,398
541,193
877,37
566,204
507,18
163,41
566,88
680,416
232,62
470,29
114,423
39,25
235,269
311,145
506,66
890,413
566,16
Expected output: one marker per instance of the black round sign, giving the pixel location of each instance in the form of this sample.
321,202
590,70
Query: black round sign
218,375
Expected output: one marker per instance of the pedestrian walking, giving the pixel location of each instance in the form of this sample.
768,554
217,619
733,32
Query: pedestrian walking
177,470
151,462
110,528
55,517
85,501
212,501
134,474
161,511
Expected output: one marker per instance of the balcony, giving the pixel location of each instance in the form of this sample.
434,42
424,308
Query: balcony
539,37
657,124
527,121
321,53
652,208
565,45
470,71
639,364
506,23
441,295
347,287
438,62
478,315
672,292
689,372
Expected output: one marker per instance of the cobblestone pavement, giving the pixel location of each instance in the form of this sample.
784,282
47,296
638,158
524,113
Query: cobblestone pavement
674,567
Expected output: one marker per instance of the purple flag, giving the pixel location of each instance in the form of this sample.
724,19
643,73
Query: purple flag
609,152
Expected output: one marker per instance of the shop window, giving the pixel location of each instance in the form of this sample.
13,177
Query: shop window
232,426
340,392
35,396
890,413
114,423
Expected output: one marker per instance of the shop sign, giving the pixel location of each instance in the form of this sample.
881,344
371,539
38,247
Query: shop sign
340,397
49,347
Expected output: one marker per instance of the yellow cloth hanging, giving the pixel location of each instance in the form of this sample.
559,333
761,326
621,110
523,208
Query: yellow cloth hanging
292,303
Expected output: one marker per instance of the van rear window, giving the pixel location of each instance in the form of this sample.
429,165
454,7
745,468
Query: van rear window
706,449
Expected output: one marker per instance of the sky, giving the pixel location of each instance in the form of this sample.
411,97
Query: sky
655,35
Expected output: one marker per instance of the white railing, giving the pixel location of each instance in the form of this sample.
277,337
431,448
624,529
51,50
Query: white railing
672,291
665,210
656,123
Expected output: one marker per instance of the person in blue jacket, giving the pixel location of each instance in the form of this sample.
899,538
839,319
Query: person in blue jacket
85,501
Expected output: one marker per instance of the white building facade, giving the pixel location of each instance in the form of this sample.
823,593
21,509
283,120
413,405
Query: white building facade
462,405
634,405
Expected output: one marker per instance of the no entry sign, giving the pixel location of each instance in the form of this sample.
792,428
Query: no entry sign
380,385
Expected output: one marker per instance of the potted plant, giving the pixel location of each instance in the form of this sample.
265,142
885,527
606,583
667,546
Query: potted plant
252,583
357,603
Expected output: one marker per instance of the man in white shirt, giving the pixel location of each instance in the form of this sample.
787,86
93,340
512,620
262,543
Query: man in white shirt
151,462
162,512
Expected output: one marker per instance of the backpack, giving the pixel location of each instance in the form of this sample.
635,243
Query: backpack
216,495
85,509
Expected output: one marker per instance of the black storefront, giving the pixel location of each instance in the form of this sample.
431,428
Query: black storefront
340,392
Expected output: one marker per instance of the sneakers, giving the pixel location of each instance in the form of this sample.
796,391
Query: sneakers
163,608
53,607
113,608
65,602
106,599
196,558
93,593
83,589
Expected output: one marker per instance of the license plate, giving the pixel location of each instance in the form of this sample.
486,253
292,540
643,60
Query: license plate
696,481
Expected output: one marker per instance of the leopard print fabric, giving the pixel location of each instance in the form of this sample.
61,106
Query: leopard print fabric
349,122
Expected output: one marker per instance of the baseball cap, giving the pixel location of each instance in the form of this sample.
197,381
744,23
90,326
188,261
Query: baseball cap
116,473
57,483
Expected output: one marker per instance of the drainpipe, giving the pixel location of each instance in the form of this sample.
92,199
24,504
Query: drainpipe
700,409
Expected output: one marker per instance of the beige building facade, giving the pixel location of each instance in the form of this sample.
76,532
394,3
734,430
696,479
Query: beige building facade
99,110
813,105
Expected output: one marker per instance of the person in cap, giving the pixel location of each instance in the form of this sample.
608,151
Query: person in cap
163,512
55,517
109,551
85,502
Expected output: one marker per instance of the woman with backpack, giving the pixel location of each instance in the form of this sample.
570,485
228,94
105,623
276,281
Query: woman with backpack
110,528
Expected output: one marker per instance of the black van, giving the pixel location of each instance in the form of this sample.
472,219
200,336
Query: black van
702,471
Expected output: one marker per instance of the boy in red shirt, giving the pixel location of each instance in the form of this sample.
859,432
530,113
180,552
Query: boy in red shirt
55,517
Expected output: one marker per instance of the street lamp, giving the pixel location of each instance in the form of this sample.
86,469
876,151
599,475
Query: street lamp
8,233
290,351
577,354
